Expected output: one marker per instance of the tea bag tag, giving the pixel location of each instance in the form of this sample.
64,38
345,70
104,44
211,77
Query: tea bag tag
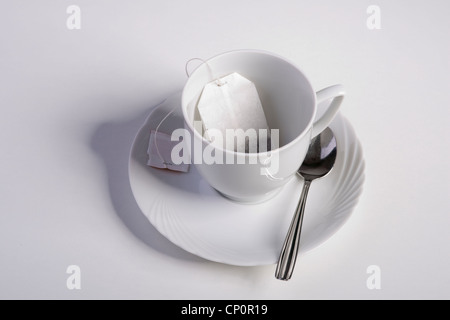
159,152
232,102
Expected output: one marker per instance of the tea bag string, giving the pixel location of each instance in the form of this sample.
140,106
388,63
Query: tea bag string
267,173
217,81
156,135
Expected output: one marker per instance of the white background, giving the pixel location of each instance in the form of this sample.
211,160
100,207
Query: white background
72,101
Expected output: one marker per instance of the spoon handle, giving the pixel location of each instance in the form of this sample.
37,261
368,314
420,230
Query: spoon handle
288,255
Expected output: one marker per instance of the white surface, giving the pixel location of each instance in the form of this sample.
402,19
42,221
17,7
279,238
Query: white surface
72,101
190,213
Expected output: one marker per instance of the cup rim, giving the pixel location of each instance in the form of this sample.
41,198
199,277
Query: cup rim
308,127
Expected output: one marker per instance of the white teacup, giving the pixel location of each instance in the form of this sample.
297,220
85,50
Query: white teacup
290,105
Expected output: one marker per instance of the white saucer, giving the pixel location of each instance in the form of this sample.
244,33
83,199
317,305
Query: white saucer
186,210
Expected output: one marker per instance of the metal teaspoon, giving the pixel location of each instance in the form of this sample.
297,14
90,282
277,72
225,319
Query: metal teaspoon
318,162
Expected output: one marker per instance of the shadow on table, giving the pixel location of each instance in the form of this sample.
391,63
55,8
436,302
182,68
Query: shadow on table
112,142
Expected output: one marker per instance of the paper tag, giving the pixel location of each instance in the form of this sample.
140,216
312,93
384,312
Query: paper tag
159,152
232,102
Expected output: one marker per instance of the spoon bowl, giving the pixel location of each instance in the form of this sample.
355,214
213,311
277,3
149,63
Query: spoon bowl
320,157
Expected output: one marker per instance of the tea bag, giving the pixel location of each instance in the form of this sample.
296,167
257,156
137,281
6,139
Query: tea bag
232,102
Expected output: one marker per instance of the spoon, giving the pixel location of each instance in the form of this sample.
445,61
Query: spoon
318,162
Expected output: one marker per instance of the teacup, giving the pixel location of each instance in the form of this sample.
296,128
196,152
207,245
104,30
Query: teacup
290,105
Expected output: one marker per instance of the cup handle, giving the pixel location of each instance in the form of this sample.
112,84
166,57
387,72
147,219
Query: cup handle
336,93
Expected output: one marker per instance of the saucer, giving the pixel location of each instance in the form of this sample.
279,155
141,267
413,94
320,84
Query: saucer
191,214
